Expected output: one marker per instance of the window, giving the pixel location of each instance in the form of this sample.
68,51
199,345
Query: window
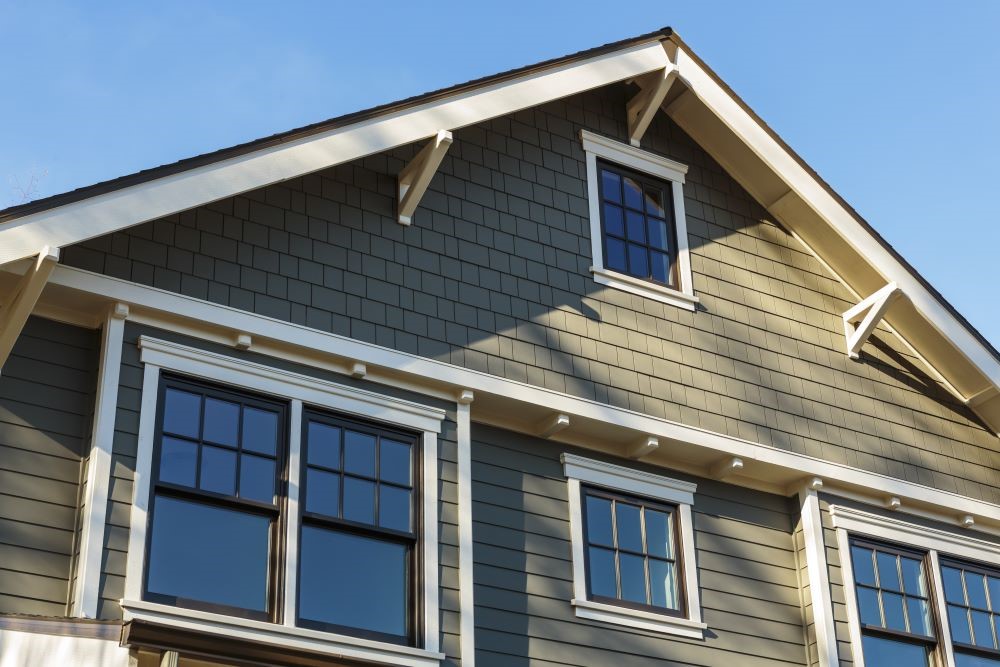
283,510
637,223
893,604
633,548
972,597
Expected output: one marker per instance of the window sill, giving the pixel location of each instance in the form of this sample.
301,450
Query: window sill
640,620
321,643
644,288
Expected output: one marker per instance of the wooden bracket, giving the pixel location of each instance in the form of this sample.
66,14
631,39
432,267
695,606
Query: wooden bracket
726,467
552,425
644,447
417,175
14,314
243,341
358,370
641,108
465,397
861,320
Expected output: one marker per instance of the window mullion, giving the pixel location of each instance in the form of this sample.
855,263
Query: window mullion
939,605
293,515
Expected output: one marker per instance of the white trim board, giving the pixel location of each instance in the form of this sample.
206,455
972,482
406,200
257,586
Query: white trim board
298,389
819,580
577,470
301,344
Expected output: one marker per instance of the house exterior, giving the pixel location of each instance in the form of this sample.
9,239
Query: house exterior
578,364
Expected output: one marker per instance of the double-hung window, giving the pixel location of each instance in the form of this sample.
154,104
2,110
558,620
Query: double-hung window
972,597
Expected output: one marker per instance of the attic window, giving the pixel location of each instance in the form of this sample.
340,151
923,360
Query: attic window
637,226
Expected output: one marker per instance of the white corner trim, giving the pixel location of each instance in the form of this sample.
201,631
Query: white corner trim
850,597
466,583
635,618
620,478
287,384
579,469
819,578
136,559
644,288
88,575
896,530
303,639
595,146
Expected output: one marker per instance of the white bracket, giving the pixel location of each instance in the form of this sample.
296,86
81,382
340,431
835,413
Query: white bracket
243,341
417,175
641,108
549,426
893,503
644,447
15,313
861,320
358,370
465,397
727,467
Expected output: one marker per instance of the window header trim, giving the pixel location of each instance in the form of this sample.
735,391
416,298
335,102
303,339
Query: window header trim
632,157
619,478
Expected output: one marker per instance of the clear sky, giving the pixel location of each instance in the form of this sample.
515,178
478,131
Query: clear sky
895,104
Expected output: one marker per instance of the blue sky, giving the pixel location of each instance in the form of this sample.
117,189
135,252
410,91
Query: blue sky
894,104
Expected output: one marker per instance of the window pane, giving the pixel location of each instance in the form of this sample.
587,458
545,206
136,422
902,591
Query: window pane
654,201
864,568
394,462
260,431
218,470
257,478
888,575
210,554
359,453
882,652
638,261
323,492
633,193
614,221
359,500
868,606
658,234
993,584
629,526
633,577
892,607
952,579
918,613
323,446
178,461
662,584
602,572
982,629
394,508
636,227
971,660
658,542
616,255
958,619
222,422
659,266
181,413
599,521
612,186
913,576
975,588
353,581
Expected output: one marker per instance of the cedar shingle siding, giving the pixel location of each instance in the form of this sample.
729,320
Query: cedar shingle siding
494,276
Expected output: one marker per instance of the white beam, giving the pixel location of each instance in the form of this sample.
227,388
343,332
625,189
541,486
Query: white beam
861,320
15,314
641,108
417,175
644,447
549,426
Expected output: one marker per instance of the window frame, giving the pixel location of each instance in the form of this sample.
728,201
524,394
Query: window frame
979,568
160,356
582,473
650,166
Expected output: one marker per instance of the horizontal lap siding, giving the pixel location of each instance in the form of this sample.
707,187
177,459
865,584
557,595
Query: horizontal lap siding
523,571
123,472
46,406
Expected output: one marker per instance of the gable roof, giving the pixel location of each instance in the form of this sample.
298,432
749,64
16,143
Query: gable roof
705,107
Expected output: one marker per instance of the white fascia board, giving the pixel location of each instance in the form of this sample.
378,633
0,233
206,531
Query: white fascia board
798,179
106,213
190,315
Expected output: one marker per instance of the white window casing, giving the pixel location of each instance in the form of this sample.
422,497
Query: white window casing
596,146
298,389
617,478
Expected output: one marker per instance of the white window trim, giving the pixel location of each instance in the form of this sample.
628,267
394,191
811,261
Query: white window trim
617,478
596,146
158,354
849,521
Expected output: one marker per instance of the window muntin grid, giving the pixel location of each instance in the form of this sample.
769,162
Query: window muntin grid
891,589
